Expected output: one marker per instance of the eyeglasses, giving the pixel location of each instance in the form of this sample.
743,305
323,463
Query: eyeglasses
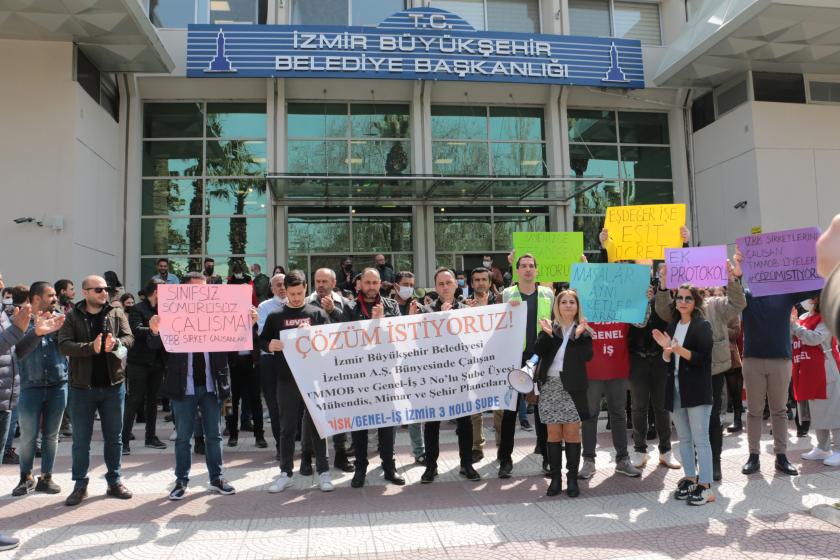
686,299
97,290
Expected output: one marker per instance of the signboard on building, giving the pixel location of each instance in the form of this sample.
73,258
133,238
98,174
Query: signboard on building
415,44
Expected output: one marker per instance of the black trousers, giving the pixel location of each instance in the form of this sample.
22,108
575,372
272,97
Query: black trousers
245,387
431,437
290,403
715,427
386,448
142,393
648,376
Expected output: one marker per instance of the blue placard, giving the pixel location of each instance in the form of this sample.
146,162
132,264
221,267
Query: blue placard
612,292
415,44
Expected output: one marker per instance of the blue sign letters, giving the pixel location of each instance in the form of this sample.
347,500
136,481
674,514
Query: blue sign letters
415,44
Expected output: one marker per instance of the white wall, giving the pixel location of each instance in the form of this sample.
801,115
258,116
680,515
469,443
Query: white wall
60,155
783,159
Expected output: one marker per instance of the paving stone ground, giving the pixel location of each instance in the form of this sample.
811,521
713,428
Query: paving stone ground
762,517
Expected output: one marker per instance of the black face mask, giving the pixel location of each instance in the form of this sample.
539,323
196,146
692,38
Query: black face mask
348,267
208,271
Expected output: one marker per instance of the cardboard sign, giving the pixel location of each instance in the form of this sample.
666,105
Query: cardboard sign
644,232
781,262
403,370
555,252
205,317
612,292
704,267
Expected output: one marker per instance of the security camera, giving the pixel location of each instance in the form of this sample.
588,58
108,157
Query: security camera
740,205
24,220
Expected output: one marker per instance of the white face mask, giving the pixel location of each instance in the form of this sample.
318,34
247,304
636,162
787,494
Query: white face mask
7,301
807,305
405,292
487,264
239,275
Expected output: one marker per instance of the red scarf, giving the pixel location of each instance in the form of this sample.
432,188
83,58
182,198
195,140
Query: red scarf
360,300
809,364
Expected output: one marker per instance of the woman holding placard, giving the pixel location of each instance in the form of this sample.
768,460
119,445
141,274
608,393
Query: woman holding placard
816,379
564,347
687,347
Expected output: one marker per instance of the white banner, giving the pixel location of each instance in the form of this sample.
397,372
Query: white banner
402,370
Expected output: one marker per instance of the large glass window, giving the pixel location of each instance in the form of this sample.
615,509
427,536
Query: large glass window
480,141
358,138
631,151
203,187
521,16
321,237
344,12
177,14
616,18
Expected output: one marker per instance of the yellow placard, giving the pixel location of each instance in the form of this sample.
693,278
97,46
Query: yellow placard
644,232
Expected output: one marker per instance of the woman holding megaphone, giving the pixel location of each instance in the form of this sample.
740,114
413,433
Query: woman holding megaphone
564,346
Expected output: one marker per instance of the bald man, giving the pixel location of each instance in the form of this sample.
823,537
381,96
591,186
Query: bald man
96,337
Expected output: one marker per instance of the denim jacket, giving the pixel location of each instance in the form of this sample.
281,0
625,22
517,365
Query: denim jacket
39,361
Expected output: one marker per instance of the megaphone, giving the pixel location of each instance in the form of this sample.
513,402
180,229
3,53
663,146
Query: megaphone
522,380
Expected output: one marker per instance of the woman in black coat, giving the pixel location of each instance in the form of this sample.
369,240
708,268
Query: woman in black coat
564,346
687,347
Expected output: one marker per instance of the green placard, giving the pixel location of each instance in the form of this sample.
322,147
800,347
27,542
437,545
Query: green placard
555,252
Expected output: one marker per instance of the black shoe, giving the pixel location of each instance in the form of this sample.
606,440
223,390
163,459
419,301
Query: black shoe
572,452
46,485
261,443
10,457
684,489
358,479
505,468
468,472
555,457
736,426
716,474
477,455
341,462
784,466
76,496
178,492
394,478
199,446
802,429
525,425
556,486
25,486
752,465
155,443
119,491
306,466
126,449
420,459
428,475
221,486
233,440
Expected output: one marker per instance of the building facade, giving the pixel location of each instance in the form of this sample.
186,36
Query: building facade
301,169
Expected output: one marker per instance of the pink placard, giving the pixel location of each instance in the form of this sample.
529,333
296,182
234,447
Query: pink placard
704,267
205,317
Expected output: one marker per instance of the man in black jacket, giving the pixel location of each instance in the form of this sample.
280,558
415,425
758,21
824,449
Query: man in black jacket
197,381
371,305
144,369
445,286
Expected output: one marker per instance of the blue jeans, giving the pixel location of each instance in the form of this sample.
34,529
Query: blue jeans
10,438
415,432
33,402
522,408
693,428
185,413
84,403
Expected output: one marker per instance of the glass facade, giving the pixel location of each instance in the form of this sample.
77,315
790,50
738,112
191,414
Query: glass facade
520,16
631,150
344,12
616,18
203,190
177,14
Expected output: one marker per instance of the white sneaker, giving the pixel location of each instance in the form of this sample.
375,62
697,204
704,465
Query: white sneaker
325,484
833,461
173,436
816,454
639,459
280,483
669,461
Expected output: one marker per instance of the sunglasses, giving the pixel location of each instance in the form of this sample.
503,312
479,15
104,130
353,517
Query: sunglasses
97,290
686,299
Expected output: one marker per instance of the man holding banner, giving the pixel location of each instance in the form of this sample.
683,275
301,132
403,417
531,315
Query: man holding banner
538,300
296,313
445,286
370,304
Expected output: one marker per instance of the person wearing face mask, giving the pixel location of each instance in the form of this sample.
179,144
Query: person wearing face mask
346,278
268,379
386,273
445,285
339,310
463,291
210,271
816,381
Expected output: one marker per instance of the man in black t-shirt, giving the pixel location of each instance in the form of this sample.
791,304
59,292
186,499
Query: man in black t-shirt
296,313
